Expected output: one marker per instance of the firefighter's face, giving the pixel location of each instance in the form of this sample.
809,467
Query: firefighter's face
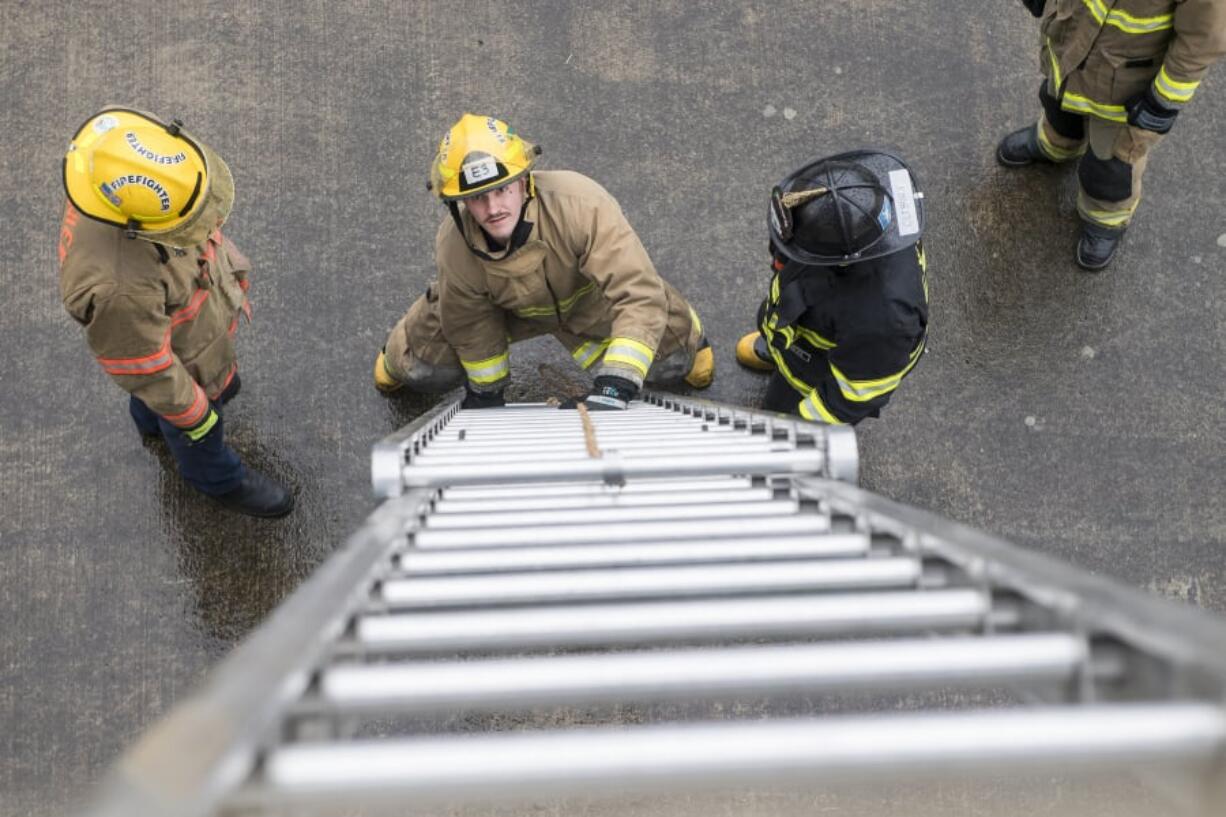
497,210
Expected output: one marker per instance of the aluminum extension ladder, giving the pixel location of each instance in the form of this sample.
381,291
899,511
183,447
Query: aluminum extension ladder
683,597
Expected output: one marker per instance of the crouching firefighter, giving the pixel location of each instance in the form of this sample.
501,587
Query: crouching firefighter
526,253
145,270
847,313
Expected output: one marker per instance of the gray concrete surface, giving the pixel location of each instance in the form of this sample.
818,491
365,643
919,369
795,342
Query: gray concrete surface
1080,415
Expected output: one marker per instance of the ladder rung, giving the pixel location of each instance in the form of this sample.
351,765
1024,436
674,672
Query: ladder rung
615,515
662,622
525,438
444,507
488,560
637,486
621,678
688,529
576,450
656,582
616,469
954,745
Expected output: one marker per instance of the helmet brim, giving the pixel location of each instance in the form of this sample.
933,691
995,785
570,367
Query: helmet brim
906,227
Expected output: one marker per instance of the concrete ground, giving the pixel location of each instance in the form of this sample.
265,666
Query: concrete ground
1076,414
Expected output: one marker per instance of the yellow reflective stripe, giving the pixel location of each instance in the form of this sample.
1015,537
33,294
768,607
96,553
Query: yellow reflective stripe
490,370
589,352
775,289
814,338
812,408
1107,218
631,353
563,306
1127,23
922,257
1058,154
1082,104
781,365
1055,66
1173,90
199,431
861,391
697,323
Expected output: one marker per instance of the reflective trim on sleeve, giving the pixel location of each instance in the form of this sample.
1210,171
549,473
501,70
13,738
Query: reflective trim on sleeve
199,431
589,352
1171,90
861,391
1126,22
194,412
812,408
148,364
637,356
490,370
1083,104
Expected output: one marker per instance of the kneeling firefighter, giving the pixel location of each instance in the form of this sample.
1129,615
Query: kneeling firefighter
847,313
525,253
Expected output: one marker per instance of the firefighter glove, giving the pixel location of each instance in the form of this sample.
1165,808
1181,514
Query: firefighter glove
482,399
1147,112
211,424
1035,6
610,393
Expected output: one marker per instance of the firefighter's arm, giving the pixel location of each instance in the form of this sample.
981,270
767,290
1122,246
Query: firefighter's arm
1199,41
473,324
612,256
861,375
129,334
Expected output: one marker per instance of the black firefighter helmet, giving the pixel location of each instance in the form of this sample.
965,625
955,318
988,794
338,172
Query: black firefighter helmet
846,208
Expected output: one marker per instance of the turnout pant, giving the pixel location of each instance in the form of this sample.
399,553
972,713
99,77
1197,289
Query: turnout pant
210,466
1113,156
419,356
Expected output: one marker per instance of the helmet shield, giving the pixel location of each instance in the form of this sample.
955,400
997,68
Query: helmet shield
846,208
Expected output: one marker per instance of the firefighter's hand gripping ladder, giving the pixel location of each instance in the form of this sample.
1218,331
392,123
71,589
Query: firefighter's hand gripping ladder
671,568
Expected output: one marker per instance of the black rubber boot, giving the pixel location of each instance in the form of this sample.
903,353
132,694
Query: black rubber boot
1021,148
257,495
1097,246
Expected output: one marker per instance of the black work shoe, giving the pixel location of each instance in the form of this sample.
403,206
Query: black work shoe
1021,148
1097,246
257,495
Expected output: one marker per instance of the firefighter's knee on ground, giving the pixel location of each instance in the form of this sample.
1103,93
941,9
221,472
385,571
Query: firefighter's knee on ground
420,377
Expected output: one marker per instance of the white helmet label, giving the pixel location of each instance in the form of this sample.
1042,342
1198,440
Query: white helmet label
478,171
904,202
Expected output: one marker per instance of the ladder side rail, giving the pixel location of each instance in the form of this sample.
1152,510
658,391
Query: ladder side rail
199,753
1188,638
388,456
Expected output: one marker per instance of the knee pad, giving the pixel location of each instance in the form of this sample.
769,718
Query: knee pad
428,378
1105,179
1068,125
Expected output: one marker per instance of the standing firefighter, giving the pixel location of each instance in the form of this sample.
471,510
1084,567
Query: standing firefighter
847,313
159,290
1117,74
528,253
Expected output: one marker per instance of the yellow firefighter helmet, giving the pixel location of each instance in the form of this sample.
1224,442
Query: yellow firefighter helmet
131,169
478,154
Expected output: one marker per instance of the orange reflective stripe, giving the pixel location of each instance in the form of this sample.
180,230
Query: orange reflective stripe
161,359
71,217
194,412
189,312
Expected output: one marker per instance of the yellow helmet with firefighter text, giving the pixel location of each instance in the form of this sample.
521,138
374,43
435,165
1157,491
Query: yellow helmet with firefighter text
478,154
152,178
